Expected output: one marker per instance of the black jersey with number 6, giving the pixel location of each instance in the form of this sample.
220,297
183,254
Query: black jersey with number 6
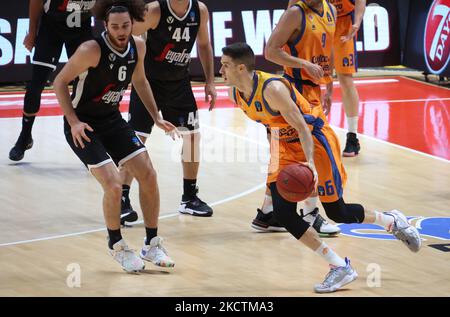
169,45
98,91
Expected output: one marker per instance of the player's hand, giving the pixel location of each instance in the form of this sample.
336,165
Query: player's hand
314,70
78,133
351,34
28,42
210,95
326,103
316,177
168,127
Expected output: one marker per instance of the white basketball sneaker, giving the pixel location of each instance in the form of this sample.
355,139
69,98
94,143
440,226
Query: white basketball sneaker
323,227
404,231
336,278
126,257
156,253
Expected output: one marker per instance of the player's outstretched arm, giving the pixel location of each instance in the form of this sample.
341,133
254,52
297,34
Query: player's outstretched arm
140,83
86,56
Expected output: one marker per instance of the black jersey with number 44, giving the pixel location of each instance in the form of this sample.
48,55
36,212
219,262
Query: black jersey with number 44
98,91
169,45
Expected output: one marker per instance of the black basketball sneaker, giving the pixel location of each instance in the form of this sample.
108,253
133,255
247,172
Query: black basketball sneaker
266,222
352,146
127,214
18,151
194,206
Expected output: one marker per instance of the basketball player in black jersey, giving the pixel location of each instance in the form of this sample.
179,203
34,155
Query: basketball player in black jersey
61,22
97,133
171,28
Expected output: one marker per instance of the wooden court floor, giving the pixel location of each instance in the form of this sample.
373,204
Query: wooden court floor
51,223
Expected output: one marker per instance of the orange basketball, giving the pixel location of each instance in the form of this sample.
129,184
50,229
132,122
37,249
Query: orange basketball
295,182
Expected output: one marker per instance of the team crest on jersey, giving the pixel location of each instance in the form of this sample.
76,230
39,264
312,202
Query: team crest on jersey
329,17
311,17
192,16
132,53
112,57
169,20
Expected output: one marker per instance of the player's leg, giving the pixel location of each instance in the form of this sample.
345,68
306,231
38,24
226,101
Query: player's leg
47,51
95,157
141,168
126,149
332,178
180,108
345,61
141,121
341,272
265,221
393,221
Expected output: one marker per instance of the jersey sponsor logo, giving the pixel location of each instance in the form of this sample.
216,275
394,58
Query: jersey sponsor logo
432,227
177,58
437,36
323,61
113,97
110,96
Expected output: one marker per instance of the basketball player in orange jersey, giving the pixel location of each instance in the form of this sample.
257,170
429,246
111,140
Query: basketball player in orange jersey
349,17
302,42
299,133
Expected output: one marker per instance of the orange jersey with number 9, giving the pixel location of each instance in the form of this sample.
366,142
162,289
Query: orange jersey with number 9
314,43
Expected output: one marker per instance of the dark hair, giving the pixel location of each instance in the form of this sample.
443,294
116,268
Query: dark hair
241,53
103,8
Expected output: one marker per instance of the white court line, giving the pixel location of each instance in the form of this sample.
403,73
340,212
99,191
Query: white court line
222,201
395,145
244,193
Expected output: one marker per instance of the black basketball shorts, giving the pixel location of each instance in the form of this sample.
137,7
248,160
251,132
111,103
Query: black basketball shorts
176,102
113,140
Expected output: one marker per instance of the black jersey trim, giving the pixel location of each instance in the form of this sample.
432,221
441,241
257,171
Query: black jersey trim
175,15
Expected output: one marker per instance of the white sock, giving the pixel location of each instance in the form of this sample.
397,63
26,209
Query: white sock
330,256
309,205
267,205
352,123
383,220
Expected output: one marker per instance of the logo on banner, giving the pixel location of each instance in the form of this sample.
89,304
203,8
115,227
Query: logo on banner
437,36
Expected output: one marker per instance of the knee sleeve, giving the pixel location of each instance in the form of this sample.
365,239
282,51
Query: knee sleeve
32,100
286,214
340,212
